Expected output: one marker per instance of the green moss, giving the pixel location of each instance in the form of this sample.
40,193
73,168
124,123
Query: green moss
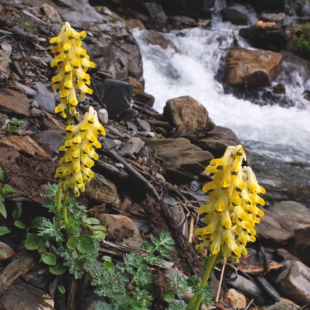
299,43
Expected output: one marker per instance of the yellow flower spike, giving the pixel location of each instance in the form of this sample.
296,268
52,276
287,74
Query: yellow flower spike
72,62
231,213
79,153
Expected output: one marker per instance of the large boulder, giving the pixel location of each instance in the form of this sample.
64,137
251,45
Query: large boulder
255,67
188,115
181,160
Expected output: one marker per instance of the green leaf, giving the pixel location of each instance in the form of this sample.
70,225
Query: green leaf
7,190
169,297
99,227
33,242
100,235
17,210
107,258
20,224
1,174
4,230
109,266
36,222
90,221
2,208
57,270
3,254
49,259
72,242
85,244
61,289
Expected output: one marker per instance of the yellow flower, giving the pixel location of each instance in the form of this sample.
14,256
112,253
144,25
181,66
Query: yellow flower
232,210
72,62
79,152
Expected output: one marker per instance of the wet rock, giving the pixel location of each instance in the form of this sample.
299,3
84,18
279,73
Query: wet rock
22,295
254,67
273,17
44,97
135,23
139,93
121,227
156,12
294,213
234,16
6,251
50,140
144,124
217,140
249,288
294,282
102,191
235,299
189,115
156,38
273,227
117,96
128,115
181,160
13,103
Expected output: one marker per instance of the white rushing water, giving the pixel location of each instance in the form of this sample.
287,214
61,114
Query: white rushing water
190,67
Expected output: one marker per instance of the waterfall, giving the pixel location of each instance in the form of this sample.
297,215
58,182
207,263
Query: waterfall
278,137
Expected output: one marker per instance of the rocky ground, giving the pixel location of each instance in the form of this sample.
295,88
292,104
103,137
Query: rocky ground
150,171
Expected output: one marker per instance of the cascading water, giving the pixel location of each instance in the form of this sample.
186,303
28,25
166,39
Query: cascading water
278,137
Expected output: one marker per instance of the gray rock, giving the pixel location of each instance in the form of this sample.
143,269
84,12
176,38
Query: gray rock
44,97
144,124
302,243
181,160
234,16
156,12
273,227
294,282
294,213
128,114
117,96
52,139
282,305
249,288
189,115
103,116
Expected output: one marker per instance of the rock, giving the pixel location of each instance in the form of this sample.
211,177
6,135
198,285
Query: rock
121,227
103,116
50,140
189,115
273,227
132,147
258,68
268,39
294,282
139,93
234,16
145,126
102,191
156,38
135,23
22,295
181,160
6,251
117,96
249,288
273,17
302,243
13,103
128,115
156,12
294,213
3,120
44,97
26,90
235,299
51,13
217,140
282,305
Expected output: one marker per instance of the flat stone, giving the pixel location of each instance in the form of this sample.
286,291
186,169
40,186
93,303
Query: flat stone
45,97
294,213
189,115
294,282
273,227
13,102
255,67
236,300
121,227
181,160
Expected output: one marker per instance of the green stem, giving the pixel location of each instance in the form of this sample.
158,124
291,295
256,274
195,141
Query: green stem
58,199
65,213
196,299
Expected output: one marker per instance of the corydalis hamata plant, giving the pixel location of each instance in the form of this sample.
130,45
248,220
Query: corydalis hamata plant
232,212
72,62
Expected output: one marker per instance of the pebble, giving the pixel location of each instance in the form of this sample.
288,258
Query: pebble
6,251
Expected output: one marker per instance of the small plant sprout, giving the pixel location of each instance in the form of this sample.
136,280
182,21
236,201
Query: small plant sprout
231,214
